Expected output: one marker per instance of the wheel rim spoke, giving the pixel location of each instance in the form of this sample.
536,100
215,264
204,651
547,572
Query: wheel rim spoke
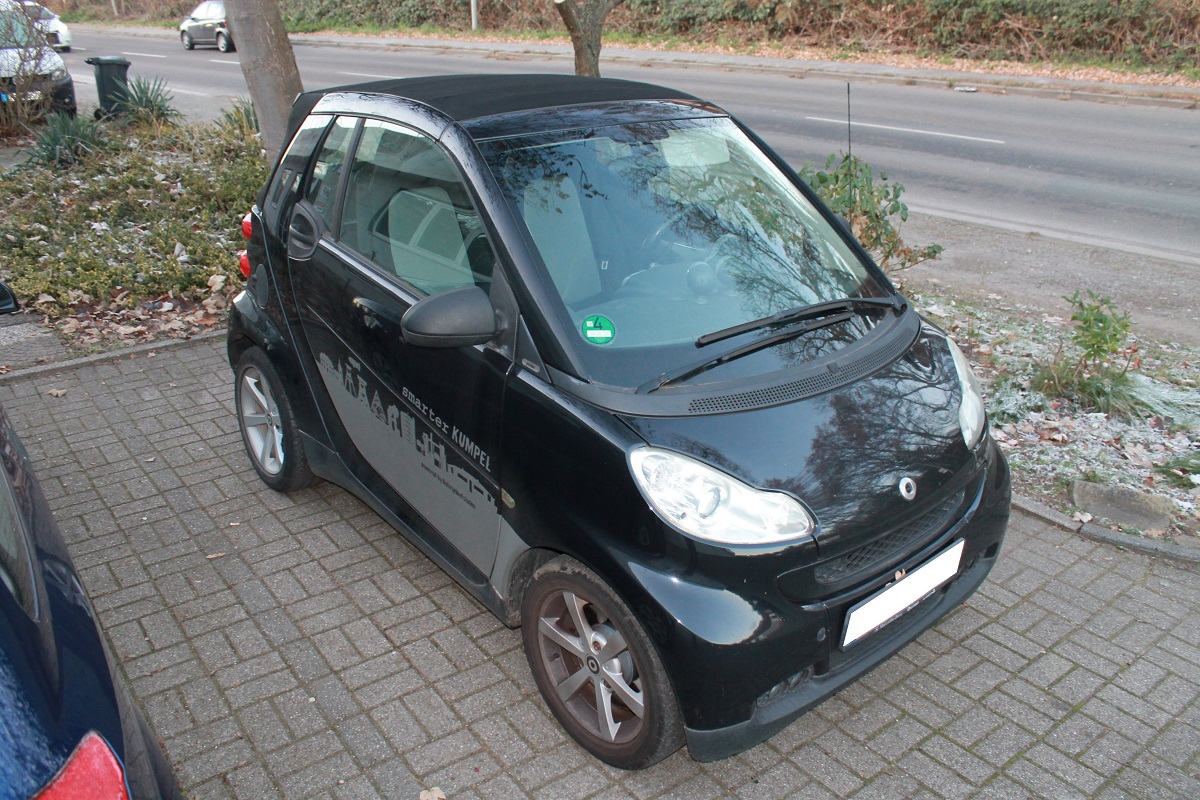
604,711
551,631
567,689
267,453
626,693
575,607
260,393
254,420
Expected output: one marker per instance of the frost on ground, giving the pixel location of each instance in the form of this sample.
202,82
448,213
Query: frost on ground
1052,441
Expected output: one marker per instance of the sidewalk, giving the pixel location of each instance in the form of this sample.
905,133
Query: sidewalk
295,646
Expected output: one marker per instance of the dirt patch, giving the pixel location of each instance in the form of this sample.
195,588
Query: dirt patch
1034,270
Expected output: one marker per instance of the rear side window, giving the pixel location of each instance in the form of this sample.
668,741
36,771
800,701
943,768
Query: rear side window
282,193
408,211
322,186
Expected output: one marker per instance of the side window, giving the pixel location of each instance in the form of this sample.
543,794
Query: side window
322,186
282,193
409,212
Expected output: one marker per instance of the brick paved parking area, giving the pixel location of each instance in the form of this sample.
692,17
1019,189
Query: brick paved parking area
296,646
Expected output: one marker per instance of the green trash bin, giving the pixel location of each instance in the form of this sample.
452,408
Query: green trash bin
111,82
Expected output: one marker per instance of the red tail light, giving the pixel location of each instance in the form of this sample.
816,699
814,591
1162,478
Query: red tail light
247,225
93,772
244,264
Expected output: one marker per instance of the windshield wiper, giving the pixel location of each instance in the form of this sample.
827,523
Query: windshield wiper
800,313
823,320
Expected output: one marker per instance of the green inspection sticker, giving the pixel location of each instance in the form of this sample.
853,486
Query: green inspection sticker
598,329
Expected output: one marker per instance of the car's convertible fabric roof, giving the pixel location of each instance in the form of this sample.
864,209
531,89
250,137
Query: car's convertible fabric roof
464,97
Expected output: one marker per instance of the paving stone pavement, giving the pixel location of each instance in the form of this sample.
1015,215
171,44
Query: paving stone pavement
295,646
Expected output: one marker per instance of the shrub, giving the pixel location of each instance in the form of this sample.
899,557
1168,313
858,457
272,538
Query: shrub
146,102
1093,379
240,118
868,202
65,141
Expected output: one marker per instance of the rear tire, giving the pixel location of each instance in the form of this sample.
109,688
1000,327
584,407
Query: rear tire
224,43
597,669
185,39
269,429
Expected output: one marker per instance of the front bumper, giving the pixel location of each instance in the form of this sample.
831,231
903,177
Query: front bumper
786,656
59,95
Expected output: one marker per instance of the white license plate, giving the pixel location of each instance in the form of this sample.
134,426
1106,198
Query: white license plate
887,604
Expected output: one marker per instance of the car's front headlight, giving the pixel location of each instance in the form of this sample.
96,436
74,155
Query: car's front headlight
711,505
971,416
58,74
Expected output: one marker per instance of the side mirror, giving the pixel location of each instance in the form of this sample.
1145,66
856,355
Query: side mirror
8,300
459,317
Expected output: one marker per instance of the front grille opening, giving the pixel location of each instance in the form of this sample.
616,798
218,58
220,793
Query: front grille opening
888,547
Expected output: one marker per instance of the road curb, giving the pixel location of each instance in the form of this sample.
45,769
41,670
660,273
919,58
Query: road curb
112,355
1098,533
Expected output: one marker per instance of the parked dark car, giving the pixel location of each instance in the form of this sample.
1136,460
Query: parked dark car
599,352
206,25
68,728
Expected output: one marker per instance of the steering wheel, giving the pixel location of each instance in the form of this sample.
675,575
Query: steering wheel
658,242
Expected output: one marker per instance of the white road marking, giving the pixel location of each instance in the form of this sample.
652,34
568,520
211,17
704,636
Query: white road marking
219,61
143,55
910,130
368,75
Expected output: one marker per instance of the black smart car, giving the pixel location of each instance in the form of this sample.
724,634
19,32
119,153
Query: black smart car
206,25
596,350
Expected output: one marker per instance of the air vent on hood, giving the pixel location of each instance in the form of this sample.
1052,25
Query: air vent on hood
830,376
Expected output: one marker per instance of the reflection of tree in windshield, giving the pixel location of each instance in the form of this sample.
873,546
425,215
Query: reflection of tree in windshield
698,187
673,229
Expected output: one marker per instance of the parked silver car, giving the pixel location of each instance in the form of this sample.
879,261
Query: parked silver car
58,35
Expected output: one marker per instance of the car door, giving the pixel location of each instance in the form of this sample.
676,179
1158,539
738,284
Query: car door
394,222
204,27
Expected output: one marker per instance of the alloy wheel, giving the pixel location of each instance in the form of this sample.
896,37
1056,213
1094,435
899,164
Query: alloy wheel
261,423
591,667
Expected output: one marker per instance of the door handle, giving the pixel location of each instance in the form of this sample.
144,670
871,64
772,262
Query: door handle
374,314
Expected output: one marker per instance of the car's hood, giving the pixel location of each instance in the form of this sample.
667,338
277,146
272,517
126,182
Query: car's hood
38,63
845,452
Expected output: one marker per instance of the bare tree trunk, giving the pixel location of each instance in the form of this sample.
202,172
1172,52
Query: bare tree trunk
585,23
268,64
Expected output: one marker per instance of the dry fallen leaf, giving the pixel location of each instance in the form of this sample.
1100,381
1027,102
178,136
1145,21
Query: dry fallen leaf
433,794
57,392
215,555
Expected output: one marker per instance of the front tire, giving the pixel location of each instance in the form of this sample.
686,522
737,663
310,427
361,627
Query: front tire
185,39
224,43
268,426
597,669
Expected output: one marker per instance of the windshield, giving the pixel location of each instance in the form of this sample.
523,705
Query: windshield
656,233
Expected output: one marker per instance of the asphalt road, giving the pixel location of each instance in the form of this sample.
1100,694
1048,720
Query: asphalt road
1114,176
